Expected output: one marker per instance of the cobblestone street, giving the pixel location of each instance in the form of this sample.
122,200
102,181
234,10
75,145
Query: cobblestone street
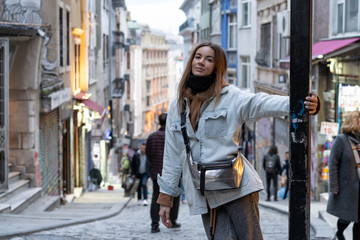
134,223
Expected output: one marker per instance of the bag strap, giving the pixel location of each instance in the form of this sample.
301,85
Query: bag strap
356,153
183,128
187,144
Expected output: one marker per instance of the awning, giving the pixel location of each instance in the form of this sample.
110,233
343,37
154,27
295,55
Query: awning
322,48
325,49
93,106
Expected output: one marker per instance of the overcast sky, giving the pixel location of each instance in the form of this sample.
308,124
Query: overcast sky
160,14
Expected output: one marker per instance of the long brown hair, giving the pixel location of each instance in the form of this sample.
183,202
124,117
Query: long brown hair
351,123
220,70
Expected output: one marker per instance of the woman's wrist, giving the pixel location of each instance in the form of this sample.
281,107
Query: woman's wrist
165,200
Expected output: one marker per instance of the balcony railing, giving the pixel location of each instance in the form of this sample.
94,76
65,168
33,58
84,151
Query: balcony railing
189,23
118,3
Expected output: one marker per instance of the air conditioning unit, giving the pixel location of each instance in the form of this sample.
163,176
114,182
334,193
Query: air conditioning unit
283,23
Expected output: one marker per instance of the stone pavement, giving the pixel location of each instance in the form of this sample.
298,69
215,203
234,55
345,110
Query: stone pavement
321,222
103,204
90,206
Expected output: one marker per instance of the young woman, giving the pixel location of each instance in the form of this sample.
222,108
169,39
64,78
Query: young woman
344,180
215,111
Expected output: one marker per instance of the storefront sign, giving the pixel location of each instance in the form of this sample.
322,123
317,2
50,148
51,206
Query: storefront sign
59,97
329,128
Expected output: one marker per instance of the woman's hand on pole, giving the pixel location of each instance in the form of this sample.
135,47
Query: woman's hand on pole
311,103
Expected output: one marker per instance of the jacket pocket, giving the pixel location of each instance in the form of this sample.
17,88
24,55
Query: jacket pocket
175,129
215,123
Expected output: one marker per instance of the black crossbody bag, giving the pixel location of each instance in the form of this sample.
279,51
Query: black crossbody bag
219,175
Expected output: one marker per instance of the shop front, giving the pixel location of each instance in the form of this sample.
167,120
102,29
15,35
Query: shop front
336,67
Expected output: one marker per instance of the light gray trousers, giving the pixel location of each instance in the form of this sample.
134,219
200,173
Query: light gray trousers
236,220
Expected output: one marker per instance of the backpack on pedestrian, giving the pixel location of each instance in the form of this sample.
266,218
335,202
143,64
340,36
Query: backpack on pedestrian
270,164
125,163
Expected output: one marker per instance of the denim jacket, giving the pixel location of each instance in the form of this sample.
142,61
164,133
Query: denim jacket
213,141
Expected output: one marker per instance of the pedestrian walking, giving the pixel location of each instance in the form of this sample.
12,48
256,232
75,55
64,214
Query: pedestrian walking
207,112
344,201
141,169
272,167
286,168
155,154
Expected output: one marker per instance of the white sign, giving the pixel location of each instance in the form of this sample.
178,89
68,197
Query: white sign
59,97
329,128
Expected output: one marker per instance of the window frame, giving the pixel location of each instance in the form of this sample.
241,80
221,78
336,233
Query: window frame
340,23
247,65
68,37
248,18
77,63
231,80
232,29
60,33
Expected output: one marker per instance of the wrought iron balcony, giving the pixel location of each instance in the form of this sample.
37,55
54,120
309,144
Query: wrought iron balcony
117,87
189,24
118,3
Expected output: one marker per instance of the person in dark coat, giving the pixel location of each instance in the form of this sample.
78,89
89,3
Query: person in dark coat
343,177
140,169
273,172
155,154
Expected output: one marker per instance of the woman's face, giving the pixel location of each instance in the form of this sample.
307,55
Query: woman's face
203,63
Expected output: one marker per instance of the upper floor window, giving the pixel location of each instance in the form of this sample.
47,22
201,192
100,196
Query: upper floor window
245,13
345,16
106,5
68,38
232,31
231,78
77,42
263,56
205,6
105,49
233,3
245,71
61,38
148,86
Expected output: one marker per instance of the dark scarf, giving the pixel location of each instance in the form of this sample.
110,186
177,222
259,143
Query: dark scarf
196,100
200,84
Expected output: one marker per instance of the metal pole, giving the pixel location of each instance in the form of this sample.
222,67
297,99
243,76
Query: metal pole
300,152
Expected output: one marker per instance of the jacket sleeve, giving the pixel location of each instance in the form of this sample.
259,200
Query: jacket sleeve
133,165
252,106
172,162
334,163
148,149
